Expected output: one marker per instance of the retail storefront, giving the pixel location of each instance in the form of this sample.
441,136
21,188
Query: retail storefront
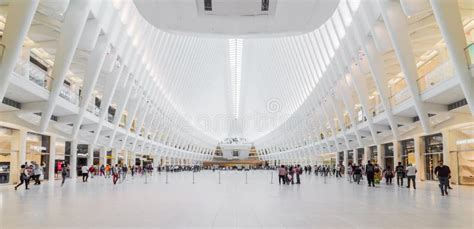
360,155
340,156
350,157
388,155
433,154
37,150
373,153
7,156
408,152
462,157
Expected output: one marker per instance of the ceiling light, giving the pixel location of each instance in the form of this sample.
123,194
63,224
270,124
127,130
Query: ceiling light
235,61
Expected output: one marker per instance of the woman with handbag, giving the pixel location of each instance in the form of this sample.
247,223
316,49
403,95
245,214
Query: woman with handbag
23,178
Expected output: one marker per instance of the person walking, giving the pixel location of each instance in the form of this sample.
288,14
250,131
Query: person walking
85,173
64,173
124,172
24,179
338,170
282,174
400,170
411,175
102,170
357,173
388,174
298,172
443,173
36,172
349,173
370,172
92,170
291,172
115,174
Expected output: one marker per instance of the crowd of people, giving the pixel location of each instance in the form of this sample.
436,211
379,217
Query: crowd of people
288,174
29,172
375,174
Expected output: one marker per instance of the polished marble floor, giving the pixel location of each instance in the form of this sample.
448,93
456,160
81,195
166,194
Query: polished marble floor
234,203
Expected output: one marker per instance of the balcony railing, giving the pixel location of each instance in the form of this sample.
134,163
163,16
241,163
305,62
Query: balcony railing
68,94
436,73
469,52
34,74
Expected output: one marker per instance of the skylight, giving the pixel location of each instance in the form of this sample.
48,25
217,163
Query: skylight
235,60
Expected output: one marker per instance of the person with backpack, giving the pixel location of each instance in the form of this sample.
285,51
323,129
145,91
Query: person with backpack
388,174
370,173
400,170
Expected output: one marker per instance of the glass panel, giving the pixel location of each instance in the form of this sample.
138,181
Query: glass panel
338,24
327,41
332,33
345,13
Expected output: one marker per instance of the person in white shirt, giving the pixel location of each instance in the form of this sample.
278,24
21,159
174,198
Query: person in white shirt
85,173
411,175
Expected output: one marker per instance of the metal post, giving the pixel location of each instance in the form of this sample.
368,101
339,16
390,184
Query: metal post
146,177
166,176
193,176
246,177
219,177
271,177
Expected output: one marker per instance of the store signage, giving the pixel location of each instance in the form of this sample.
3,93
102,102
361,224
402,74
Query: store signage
38,148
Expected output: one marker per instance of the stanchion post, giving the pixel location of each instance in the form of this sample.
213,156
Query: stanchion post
271,177
246,177
166,177
219,177
193,176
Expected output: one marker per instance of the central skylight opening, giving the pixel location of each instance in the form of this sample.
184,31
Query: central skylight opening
235,60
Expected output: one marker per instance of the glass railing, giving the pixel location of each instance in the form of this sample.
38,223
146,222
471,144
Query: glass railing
91,107
434,71
376,109
469,52
35,74
110,118
68,94
399,93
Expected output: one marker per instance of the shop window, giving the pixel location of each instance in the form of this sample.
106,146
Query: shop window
408,152
433,154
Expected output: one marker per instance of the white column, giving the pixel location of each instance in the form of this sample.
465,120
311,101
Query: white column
346,158
397,152
125,157
397,27
22,147
52,156
102,156
90,154
449,144
448,16
114,156
20,15
355,156
70,34
419,163
380,152
73,157
366,155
